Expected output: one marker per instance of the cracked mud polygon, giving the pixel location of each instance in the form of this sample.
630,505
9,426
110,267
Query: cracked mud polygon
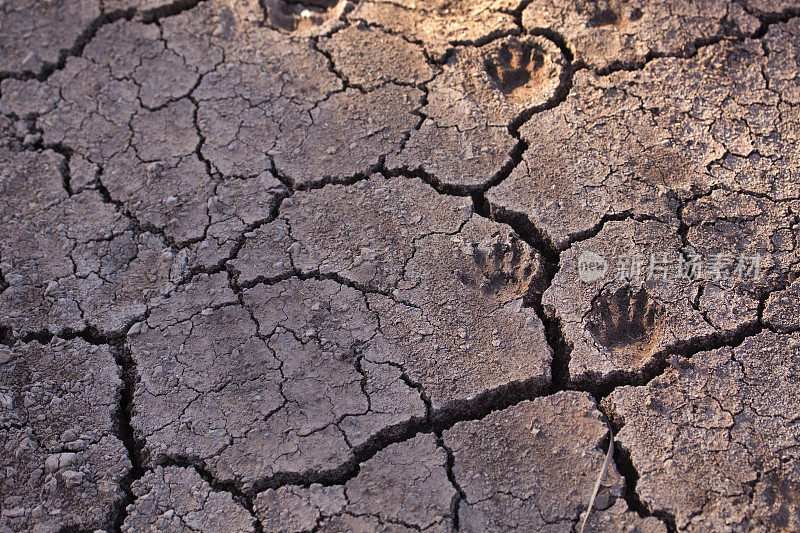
392,265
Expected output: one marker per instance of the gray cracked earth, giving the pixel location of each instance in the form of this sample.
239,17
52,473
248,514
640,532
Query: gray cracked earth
315,266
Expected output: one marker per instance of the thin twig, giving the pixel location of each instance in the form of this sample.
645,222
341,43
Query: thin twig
599,478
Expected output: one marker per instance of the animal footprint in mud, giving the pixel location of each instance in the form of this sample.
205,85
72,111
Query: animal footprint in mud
504,264
612,14
524,70
626,322
303,17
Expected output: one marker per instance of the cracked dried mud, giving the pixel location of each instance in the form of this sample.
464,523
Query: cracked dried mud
395,265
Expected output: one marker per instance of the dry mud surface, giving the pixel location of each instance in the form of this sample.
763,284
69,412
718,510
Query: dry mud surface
322,266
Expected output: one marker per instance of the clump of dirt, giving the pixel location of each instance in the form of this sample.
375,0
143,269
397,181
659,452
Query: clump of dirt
306,17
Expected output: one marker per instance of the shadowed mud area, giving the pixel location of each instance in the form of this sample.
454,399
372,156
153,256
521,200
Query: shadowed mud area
395,265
